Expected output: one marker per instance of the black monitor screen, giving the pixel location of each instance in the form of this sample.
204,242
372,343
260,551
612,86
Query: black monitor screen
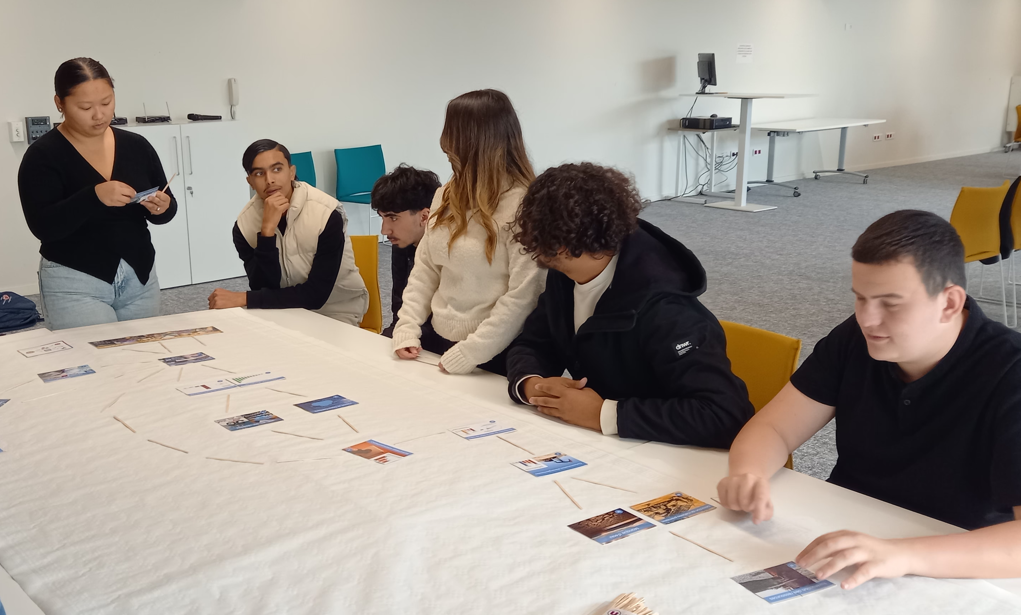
707,68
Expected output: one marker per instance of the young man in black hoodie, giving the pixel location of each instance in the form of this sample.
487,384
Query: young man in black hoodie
620,313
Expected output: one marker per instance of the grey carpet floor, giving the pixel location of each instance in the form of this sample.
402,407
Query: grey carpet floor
786,270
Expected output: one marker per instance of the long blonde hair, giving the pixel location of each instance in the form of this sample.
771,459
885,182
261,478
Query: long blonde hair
482,138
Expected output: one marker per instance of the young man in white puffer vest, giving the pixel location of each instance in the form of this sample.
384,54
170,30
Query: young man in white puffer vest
293,241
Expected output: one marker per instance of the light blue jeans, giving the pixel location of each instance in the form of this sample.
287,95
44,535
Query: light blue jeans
71,298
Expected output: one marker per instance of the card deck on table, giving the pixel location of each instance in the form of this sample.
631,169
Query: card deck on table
253,419
481,430
781,582
672,507
549,464
154,337
207,387
611,526
185,359
67,372
141,196
45,349
377,451
327,403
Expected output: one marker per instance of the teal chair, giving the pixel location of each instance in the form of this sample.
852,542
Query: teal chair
306,167
358,168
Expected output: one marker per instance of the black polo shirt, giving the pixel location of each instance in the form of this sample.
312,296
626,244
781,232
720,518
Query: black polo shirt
947,445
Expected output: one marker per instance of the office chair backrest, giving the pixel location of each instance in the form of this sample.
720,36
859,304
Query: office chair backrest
976,217
358,168
366,249
305,166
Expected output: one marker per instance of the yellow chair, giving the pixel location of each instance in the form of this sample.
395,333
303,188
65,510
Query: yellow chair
366,249
976,217
1015,229
763,359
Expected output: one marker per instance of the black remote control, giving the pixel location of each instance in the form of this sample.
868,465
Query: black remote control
198,117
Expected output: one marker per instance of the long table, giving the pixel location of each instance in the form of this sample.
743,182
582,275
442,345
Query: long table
97,518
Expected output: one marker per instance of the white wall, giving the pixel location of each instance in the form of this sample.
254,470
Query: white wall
591,79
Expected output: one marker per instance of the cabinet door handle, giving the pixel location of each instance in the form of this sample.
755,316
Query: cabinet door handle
177,158
191,163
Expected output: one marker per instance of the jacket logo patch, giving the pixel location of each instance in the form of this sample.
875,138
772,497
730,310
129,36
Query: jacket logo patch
683,348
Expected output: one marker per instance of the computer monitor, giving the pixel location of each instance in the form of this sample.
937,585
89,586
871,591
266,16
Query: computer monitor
706,70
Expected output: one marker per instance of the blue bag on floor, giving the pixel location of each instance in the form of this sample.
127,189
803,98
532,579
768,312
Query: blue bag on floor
16,312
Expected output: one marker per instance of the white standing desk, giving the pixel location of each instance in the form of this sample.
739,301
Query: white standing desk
712,164
785,127
96,519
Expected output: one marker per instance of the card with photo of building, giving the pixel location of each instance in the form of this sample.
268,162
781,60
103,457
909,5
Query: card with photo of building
672,507
783,582
611,526
252,419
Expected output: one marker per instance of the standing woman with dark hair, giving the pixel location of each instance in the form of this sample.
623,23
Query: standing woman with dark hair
469,272
77,184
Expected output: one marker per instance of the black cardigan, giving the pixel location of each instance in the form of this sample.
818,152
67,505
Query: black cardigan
77,230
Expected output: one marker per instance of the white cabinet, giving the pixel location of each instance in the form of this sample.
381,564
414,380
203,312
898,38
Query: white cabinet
197,246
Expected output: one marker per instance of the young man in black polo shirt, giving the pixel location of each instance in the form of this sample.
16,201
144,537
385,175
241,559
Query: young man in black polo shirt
927,395
402,199
621,313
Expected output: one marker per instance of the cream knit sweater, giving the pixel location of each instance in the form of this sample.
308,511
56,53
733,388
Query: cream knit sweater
479,305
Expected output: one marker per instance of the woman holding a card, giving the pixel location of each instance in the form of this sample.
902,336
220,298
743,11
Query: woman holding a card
78,188
469,273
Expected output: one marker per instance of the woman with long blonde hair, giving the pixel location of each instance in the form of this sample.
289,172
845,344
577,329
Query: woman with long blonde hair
469,274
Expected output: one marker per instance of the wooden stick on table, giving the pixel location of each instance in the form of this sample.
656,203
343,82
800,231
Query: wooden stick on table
702,546
149,376
258,463
567,494
164,347
296,435
198,340
227,409
170,447
517,445
286,392
215,367
585,480
110,405
348,424
118,419
179,374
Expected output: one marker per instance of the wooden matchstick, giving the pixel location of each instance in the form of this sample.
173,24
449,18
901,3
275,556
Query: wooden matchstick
198,340
717,501
212,367
585,480
297,460
517,445
287,392
168,182
227,409
149,376
287,433
258,463
429,435
118,419
145,351
44,396
702,546
348,424
567,494
164,347
18,385
170,447
110,405
179,374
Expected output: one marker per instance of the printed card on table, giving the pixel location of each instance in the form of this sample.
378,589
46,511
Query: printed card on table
207,387
611,526
67,372
184,359
39,351
117,342
781,582
549,464
327,403
257,378
482,430
377,451
244,421
673,507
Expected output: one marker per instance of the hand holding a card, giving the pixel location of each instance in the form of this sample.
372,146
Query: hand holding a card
748,493
157,203
115,193
875,557
567,400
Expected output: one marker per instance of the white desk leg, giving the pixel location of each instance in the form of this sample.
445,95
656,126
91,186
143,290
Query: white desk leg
677,183
744,153
840,161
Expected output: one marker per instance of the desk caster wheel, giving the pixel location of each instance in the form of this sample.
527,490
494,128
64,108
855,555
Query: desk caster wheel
866,180
817,176
796,193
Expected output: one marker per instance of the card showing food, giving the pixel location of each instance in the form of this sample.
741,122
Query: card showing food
549,464
207,387
257,378
184,359
782,582
377,451
244,421
482,430
39,351
611,526
672,507
117,342
327,403
67,372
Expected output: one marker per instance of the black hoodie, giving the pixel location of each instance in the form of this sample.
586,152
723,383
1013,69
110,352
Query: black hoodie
650,345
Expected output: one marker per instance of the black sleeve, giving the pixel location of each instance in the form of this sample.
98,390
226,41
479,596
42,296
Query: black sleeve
1005,476
262,263
819,377
49,215
314,291
534,351
158,178
399,274
707,403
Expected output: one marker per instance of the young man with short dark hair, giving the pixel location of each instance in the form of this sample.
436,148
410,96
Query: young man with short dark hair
926,391
402,199
293,241
621,313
